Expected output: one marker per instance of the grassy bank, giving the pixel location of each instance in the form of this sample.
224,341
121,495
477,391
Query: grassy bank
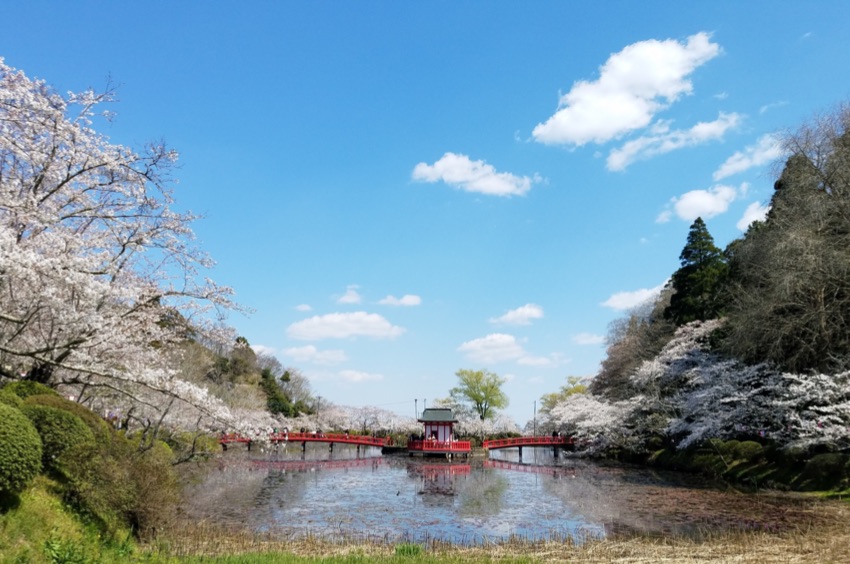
36,526
825,541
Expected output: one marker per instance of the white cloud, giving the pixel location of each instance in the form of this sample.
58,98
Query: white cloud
766,150
405,300
496,347
473,176
309,353
303,307
351,296
262,349
768,107
520,316
535,361
342,326
627,300
633,85
706,203
662,140
357,376
500,347
754,212
588,339
664,217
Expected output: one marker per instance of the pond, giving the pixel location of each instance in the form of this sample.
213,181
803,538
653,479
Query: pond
364,495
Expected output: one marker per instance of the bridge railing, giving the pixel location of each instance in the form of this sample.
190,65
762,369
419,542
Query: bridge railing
226,438
527,441
439,446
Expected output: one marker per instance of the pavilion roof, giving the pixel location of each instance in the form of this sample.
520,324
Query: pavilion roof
437,415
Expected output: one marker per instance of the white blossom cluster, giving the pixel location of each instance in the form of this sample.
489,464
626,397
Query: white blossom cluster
98,274
361,420
689,395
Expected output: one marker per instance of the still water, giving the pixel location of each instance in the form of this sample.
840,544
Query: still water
400,499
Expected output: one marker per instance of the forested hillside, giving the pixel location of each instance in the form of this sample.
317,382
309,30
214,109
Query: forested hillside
747,343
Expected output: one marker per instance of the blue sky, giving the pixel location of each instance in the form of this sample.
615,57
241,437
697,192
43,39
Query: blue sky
400,190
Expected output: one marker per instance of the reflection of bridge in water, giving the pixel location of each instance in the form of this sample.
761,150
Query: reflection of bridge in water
555,471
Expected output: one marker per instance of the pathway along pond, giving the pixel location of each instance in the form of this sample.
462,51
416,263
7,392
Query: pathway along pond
395,498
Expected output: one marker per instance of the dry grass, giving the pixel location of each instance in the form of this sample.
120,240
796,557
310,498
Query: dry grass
825,540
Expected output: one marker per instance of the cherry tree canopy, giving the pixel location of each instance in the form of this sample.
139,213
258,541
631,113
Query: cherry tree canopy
98,273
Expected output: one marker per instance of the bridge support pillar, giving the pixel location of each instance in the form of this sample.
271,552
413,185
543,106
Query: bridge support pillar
557,452
331,447
249,446
303,446
520,454
358,451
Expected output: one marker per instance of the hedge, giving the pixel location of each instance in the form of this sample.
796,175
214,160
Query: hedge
20,450
59,431
26,388
101,429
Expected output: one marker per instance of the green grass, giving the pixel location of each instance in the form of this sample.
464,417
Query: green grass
37,527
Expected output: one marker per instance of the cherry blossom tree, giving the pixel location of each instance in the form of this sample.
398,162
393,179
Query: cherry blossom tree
98,272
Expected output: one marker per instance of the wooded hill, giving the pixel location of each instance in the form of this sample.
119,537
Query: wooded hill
751,342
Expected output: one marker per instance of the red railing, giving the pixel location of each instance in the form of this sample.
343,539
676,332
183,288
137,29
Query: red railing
439,446
228,438
527,441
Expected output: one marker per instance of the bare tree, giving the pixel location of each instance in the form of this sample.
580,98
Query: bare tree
632,339
790,285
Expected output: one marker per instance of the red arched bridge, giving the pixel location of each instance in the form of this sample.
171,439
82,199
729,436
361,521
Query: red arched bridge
557,442
304,438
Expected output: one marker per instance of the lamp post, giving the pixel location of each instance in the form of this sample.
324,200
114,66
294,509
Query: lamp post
535,418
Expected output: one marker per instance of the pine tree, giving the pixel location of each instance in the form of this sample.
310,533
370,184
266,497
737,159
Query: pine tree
698,281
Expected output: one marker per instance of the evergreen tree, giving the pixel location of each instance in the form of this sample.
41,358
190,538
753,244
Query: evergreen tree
698,281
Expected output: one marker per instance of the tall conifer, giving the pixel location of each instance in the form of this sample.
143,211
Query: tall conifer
697,282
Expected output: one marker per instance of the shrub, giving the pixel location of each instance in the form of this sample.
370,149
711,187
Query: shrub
20,450
157,487
824,471
59,431
749,451
100,428
8,397
706,462
100,482
26,388
185,445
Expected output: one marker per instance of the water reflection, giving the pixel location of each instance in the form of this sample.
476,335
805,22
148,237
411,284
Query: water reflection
396,498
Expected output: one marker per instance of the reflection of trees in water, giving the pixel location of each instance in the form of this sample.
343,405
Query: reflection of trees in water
482,494
250,491
219,491
627,500
436,481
